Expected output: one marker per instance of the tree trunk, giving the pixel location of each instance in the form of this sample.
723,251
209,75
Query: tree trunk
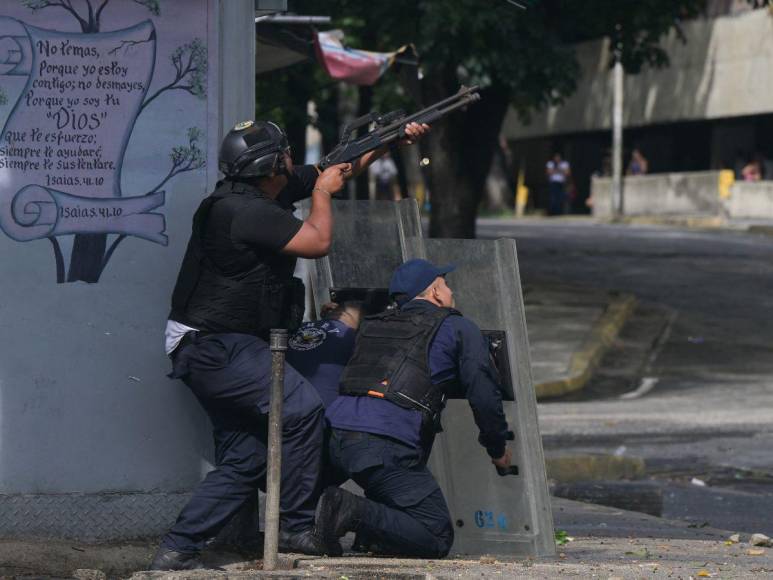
461,149
402,175
86,259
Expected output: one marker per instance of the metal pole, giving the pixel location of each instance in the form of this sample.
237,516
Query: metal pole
278,344
617,135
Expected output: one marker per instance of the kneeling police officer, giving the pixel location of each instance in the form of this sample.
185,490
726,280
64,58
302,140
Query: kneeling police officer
392,392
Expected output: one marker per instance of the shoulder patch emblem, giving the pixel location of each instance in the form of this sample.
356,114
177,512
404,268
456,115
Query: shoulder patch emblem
307,338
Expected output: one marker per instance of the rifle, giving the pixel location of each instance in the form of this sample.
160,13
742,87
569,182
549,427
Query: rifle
391,126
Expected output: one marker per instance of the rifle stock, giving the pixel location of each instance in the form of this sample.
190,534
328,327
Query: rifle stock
391,127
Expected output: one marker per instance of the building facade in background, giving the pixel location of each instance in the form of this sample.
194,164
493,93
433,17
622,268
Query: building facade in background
710,109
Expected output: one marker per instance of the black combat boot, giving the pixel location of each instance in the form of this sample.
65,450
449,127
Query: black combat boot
166,559
307,542
339,511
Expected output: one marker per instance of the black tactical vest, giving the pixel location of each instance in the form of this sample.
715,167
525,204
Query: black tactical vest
252,301
391,360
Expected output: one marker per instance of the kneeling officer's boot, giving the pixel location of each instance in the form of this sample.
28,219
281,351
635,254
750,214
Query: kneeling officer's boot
306,542
339,512
166,559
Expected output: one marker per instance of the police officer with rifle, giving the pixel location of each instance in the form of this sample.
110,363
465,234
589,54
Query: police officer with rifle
235,284
405,364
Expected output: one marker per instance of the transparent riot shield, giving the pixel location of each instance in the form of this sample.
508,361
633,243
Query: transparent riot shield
370,240
493,513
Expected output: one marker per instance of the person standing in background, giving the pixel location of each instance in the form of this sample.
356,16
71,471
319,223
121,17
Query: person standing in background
638,165
558,172
384,172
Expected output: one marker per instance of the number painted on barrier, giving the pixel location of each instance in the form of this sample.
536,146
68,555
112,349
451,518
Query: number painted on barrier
484,519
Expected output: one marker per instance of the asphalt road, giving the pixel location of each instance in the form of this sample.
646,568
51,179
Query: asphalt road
706,412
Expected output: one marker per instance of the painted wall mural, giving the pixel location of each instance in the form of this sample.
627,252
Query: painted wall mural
63,144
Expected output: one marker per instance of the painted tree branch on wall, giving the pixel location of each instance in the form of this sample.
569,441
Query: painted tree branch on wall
90,22
190,64
184,158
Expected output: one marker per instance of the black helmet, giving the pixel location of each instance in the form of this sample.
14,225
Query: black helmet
253,150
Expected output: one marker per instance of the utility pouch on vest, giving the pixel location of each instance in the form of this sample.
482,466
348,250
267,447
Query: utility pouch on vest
295,296
282,305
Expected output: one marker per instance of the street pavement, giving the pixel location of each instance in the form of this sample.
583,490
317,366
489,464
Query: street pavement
698,407
559,321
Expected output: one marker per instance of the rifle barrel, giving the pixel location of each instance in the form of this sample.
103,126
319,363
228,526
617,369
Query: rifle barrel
466,95
351,150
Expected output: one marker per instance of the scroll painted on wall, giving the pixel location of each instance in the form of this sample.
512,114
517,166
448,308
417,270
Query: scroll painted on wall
73,95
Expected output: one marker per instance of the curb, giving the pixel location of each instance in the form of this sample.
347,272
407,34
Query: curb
760,230
696,222
585,360
699,223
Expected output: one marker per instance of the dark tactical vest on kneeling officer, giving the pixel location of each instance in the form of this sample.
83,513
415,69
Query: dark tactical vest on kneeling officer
391,361
262,295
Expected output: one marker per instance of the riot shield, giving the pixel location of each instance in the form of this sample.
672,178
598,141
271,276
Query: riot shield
369,241
492,513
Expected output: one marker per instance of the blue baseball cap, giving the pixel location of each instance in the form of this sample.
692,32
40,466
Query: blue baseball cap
412,277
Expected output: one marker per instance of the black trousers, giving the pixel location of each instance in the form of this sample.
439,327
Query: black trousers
230,374
406,513
557,201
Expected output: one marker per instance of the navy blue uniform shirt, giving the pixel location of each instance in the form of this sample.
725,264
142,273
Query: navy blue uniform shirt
458,351
320,351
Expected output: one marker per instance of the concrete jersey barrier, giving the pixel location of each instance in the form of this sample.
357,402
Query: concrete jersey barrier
694,193
703,193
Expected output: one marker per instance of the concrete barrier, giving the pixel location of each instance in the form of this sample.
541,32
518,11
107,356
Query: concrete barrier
750,200
700,194
666,194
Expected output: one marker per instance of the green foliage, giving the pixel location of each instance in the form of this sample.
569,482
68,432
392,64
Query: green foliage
635,27
281,96
530,53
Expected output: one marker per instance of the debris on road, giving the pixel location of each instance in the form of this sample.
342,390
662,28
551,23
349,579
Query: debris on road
760,540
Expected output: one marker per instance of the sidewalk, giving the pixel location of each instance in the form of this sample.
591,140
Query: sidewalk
569,330
685,221
606,543
700,222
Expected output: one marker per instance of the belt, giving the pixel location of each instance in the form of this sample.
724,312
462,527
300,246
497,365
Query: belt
352,435
188,338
